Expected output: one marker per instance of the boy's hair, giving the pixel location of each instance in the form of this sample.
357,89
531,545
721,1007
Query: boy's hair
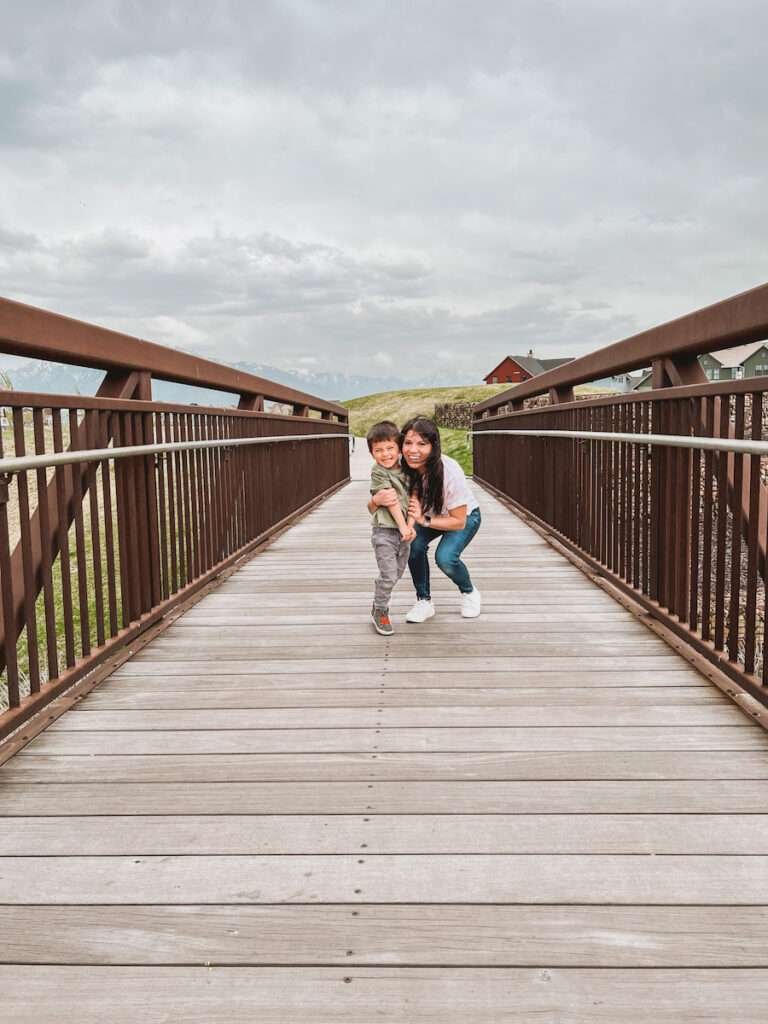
384,431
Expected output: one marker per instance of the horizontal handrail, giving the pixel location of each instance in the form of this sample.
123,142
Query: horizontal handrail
34,333
20,464
738,320
717,444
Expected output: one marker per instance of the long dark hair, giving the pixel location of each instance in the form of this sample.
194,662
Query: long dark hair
427,486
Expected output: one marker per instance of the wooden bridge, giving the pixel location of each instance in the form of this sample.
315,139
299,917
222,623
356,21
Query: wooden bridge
264,811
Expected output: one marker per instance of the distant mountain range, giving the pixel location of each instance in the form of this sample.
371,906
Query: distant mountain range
59,379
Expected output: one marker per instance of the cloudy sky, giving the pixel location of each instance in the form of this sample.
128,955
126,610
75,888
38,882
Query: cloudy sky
407,189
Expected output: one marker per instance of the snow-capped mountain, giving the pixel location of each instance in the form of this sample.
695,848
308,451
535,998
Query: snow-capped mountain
60,379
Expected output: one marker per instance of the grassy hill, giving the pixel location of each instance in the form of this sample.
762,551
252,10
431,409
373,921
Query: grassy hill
402,405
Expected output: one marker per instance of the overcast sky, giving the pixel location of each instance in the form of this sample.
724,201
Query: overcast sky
394,189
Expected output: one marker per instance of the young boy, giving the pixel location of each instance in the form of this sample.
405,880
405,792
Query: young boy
392,532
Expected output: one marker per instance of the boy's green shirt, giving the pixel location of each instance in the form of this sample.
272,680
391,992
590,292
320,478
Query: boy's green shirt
382,478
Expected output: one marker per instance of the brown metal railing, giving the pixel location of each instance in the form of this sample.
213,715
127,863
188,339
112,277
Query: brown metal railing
96,549
681,530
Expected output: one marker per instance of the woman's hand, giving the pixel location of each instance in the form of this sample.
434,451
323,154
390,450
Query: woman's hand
414,508
388,497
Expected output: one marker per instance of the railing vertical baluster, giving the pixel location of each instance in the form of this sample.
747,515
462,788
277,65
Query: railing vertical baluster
194,493
736,523
171,464
61,473
144,528
722,523
750,604
149,481
109,537
597,485
91,441
30,616
206,510
707,524
624,481
656,488
683,500
616,518
125,520
647,411
186,501
693,406
9,652
226,495
199,497
136,536
241,478
161,462
637,521
602,457
46,572
80,556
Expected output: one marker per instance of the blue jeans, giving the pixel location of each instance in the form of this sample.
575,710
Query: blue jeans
451,545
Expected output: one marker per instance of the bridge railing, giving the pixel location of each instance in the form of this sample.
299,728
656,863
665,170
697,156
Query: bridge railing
114,509
679,526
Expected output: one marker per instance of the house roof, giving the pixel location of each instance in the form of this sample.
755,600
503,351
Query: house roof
532,365
731,357
550,364
727,358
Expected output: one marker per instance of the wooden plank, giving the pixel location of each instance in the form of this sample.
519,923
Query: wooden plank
385,833
145,697
551,598
130,674
144,663
536,618
246,639
647,796
446,935
436,878
482,741
406,718
407,767
390,995
473,658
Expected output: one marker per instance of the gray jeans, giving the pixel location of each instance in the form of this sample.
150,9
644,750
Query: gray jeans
391,557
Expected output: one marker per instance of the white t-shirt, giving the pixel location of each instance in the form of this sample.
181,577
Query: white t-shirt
456,490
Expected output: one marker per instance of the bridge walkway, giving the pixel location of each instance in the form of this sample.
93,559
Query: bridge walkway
271,813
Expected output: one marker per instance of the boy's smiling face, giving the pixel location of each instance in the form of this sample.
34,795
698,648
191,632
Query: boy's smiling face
386,453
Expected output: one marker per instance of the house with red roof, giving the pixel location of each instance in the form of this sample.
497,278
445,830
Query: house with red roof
516,369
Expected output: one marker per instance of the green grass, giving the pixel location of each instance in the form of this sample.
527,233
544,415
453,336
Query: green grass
456,443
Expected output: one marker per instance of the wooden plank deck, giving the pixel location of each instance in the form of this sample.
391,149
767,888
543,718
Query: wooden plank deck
273,814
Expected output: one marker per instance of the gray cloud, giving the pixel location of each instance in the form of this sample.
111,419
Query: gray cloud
384,184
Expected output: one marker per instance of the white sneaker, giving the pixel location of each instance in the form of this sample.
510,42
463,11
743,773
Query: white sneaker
471,604
420,612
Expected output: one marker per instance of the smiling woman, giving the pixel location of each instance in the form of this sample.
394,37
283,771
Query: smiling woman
443,506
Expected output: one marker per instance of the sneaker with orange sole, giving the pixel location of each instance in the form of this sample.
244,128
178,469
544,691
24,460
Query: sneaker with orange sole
381,621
